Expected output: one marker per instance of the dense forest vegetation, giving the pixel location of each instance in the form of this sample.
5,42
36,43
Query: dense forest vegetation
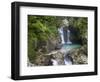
43,35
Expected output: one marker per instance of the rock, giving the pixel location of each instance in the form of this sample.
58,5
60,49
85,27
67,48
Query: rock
53,58
59,57
43,60
53,44
79,56
58,46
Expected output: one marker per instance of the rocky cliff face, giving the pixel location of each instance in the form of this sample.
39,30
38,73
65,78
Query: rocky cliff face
50,45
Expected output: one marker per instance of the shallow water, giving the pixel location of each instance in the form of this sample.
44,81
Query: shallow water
71,46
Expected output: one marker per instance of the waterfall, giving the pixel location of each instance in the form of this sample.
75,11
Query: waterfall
67,60
68,37
61,32
61,35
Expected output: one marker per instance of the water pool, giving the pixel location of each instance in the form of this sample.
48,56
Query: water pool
71,46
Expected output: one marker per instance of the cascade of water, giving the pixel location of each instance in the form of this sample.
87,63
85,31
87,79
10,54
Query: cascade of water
61,35
67,61
68,37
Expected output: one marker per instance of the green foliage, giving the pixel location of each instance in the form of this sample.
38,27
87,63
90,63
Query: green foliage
44,28
40,29
31,50
79,23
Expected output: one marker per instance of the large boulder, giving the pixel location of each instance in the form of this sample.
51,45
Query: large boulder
79,56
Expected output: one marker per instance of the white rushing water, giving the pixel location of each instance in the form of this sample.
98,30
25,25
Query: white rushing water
67,62
68,37
61,32
61,35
